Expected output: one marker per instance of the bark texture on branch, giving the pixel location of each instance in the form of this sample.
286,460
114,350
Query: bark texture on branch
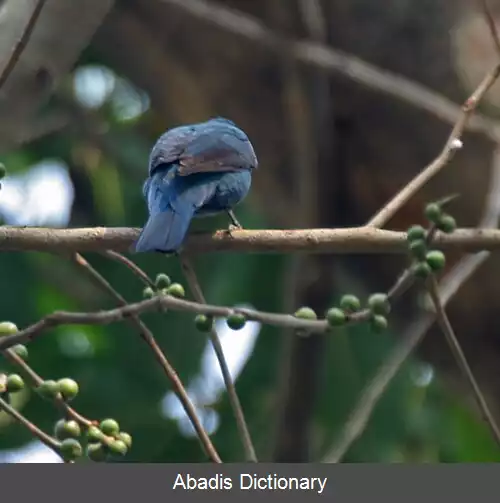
360,240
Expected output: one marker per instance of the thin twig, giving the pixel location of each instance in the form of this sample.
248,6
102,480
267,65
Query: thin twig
118,257
35,431
450,147
22,42
459,355
150,340
194,285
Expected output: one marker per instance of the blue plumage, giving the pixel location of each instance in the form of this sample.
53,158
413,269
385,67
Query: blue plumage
194,171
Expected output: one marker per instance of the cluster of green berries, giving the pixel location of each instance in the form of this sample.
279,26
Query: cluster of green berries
429,261
164,286
103,442
11,383
378,307
67,388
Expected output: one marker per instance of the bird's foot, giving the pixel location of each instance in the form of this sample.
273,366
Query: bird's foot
231,228
234,225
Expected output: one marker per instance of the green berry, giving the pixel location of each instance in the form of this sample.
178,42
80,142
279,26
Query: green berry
378,323
20,350
446,224
433,212
203,322
350,303
125,438
162,281
110,427
96,452
94,434
67,429
48,389
118,447
71,449
3,170
336,317
15,383
422,270
236,321
68,388
379,303
148,293
305,313
418,248
415,233
8,328
436,260
176,290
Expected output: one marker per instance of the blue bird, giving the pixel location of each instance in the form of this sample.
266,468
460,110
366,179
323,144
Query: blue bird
194,171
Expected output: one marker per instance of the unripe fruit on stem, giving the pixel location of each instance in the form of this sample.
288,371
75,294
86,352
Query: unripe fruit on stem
350,303
418,249
148,293
15,383
68,388
336,317
305,313
20,350
94,434
236,321
433,212
436,260
67,429
446,224
422,270
379,303
96,452
48,389
110,427
118,447
71,449
162,281
379,323
203,322
176,290
416,232
125,438
8,328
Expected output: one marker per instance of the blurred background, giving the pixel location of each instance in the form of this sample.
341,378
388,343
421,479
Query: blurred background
95,87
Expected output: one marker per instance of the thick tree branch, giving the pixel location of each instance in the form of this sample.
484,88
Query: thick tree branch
317,241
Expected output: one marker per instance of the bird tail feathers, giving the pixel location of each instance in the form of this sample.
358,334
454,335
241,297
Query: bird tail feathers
164,231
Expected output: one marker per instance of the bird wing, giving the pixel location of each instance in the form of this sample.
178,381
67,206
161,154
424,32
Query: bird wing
205,147
219,149
171,145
